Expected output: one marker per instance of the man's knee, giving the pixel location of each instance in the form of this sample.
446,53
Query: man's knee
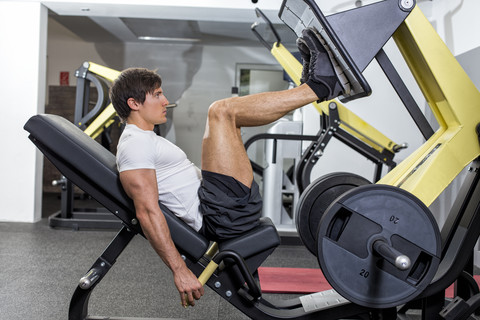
221,110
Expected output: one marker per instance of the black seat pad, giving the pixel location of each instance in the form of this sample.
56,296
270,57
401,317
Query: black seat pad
260,238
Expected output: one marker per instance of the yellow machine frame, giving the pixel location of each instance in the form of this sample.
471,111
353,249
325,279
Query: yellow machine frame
454,101
450,94
105,118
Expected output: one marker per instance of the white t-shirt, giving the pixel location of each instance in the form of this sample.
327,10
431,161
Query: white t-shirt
178,179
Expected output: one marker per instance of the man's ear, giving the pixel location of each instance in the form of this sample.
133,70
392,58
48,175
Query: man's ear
132,104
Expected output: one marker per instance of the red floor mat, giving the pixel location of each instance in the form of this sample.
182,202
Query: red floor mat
292,280
301,280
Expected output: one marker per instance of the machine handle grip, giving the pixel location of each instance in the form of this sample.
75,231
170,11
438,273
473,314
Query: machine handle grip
392,255
207,272
213,265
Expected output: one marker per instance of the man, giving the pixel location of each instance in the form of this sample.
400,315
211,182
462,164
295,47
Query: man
223,200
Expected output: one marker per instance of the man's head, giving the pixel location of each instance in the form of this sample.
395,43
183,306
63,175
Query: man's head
133,83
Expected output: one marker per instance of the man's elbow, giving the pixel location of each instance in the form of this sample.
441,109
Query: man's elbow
147,214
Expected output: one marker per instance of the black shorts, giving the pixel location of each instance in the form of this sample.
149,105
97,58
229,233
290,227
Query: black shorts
229,207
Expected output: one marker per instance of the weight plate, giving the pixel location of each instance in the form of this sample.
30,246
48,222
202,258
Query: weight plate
350,226
315,200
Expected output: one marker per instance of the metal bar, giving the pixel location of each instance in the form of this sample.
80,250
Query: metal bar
404,94
278,136
82,96
260,14
78,309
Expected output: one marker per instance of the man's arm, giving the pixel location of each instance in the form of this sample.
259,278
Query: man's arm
141,186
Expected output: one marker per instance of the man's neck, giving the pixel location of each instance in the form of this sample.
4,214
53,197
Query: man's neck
140,123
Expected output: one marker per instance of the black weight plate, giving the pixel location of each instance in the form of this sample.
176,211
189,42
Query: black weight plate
315,200
346,234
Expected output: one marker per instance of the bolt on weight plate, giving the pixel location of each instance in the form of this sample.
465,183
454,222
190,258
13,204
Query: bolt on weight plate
360,237
316,198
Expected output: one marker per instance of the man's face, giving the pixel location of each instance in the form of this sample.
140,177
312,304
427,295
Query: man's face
154,109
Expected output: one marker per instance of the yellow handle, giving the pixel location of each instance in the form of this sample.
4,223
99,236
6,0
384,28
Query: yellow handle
207,272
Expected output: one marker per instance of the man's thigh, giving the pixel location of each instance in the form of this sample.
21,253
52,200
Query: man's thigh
223,152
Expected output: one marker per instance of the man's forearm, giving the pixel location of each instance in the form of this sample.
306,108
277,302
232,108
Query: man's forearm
157,233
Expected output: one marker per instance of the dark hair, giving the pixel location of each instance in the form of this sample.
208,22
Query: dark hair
132,83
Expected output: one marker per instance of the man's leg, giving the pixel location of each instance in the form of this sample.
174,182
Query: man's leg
233,206
222,150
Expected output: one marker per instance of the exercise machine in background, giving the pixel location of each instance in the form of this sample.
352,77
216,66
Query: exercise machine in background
96,121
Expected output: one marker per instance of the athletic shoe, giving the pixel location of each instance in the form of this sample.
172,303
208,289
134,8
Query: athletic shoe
321,75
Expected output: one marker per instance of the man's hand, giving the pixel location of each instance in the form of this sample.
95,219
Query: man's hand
188,286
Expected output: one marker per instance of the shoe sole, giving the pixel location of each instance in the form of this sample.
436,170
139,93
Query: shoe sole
339,71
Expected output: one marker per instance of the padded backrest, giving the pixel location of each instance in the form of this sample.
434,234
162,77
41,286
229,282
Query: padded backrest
93,169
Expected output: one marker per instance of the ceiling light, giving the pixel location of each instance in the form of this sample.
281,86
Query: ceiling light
147,38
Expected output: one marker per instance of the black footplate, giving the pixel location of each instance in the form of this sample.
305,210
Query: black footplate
299,15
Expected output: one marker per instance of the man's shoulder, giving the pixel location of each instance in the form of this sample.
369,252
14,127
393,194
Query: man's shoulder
133,135
135,150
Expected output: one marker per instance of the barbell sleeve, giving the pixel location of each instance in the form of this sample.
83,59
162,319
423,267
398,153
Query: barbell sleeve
392,255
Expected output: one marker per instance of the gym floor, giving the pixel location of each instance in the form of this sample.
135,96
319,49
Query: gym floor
40,268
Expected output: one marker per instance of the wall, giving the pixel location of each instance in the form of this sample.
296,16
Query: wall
455,21
22,89
66,52
213,81
469,62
